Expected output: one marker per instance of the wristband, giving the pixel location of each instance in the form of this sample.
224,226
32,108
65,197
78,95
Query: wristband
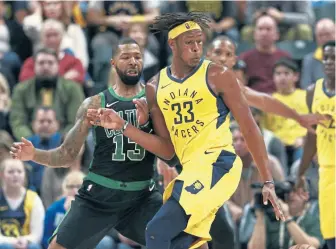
289,221
124,127
268,182
145,125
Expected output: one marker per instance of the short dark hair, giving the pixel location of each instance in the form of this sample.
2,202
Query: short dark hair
45,51
328,44
122,41
221,38
286,63
168,21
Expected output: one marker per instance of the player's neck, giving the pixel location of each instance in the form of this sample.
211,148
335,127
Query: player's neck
127,91
179,69
287,91
12,193
266,49
330,84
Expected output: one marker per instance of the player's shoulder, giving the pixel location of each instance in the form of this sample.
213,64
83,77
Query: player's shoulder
153,82
92,102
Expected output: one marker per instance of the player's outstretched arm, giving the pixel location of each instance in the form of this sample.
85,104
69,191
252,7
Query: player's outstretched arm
68,150
231,94
267,103
309,147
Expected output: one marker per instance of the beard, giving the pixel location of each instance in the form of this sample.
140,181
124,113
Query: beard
46,81
128,80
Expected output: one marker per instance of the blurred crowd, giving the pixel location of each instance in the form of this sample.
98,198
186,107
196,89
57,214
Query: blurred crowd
53,54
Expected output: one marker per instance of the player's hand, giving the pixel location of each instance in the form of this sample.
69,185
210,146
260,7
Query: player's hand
106,118
269,194
285,209
23,150
301,187
309,120
142,110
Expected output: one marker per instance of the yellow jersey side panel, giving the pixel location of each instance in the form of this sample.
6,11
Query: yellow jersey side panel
288,130
325,142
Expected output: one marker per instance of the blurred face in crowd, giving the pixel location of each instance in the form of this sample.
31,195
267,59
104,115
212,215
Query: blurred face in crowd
188,47
45,123
325,31
51,38
223,52
265,33
46,66
329,61
296,203
128,63
239,143
139,33
72,183
284,79
52,9
13,173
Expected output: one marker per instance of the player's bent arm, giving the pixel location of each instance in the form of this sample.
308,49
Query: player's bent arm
309,147
267,103
236,102
159,144
74,139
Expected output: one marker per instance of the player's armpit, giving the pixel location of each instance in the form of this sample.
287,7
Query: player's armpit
232,96
74,139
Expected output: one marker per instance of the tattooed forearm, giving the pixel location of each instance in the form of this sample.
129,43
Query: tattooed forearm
74,139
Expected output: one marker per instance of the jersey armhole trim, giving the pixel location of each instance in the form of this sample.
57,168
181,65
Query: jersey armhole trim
157,85
207,82
102,98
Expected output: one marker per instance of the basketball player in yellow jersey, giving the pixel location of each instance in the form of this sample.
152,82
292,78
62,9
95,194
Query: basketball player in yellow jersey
189,104
321,99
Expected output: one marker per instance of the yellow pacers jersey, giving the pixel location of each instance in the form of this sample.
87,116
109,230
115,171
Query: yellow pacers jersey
288,130
196,119
325,104
198,123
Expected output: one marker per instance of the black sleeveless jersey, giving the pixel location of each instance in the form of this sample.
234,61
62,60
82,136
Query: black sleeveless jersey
116,156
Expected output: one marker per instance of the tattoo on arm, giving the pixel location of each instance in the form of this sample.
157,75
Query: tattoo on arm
74,139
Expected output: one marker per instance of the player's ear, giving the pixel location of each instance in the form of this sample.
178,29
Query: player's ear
172,44
112,62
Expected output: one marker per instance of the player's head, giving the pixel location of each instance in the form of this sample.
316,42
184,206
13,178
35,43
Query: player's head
222,50
285,75
185,35
127,61
329,59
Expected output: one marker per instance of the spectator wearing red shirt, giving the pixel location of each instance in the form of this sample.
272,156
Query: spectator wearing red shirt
69,66
261,59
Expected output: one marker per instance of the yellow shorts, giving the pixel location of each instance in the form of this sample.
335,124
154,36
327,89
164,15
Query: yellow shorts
327,201
207,182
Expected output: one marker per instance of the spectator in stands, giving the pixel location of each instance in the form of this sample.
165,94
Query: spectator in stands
46,137
51,188
291,134
223,14
274,146
250,174
46,89
6,142
17,10
112,18
70,68
73,38
22,212
301,225
56,211
294,18
139,32
5,103
12,38
312,68
260,61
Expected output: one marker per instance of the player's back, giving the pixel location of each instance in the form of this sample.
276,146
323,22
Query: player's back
324,103
116,156
196,118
